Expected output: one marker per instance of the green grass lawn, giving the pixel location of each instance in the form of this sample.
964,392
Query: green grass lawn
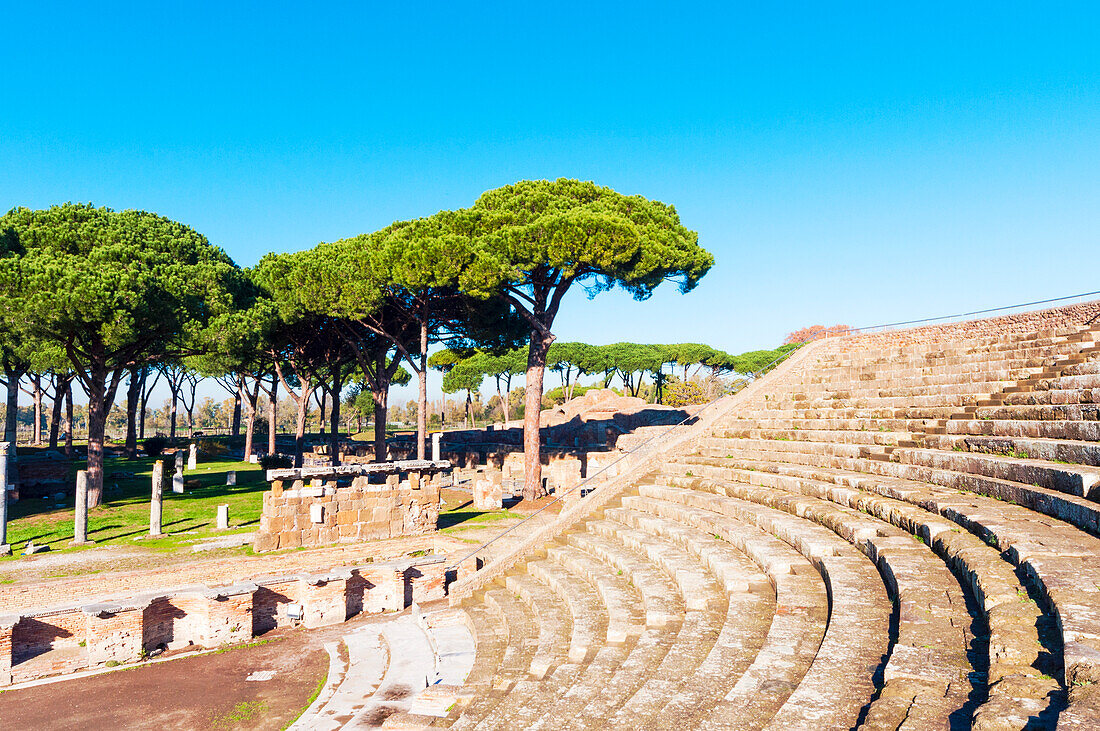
458,519
124,513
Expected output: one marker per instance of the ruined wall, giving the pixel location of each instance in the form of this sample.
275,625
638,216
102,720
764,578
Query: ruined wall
323,514
37,643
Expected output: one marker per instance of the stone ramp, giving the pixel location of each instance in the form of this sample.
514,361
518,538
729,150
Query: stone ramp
404,672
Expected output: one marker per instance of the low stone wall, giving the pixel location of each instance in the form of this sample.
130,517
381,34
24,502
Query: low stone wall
325,512
56,640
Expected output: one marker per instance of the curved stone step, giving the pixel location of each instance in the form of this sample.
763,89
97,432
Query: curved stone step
794,636
707,609
1021,690
663,604
630,652
553,621
580,610
697,586
626,615
587,614
410,669
1054,555
523,633
751,606
484,681
617,670
367,660
859,619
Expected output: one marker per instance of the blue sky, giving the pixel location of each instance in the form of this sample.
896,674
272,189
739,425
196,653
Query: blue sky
845,162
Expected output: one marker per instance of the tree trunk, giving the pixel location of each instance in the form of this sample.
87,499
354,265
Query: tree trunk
133,393
11,413
235,425
536,369
143,402
172,414
100,396
272,414
380,409
250,407
300,425
36,394
507,400
69,425
334,417
469,409
55,410
422,396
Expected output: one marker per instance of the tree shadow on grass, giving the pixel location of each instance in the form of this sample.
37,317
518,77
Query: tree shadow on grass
453,518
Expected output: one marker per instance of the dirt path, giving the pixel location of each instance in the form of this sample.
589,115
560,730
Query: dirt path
203,692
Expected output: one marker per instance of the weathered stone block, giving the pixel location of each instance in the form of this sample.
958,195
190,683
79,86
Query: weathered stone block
488,495
266,541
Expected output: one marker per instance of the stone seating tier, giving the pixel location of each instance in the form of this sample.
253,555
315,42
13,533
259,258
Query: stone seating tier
891,531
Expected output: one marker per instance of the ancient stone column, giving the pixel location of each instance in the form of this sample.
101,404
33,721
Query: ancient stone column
80,527
231,478
156,505
193,457
5,547
177,483
436,446
223,517
179,460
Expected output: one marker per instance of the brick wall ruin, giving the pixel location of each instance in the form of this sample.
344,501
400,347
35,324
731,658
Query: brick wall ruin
56,640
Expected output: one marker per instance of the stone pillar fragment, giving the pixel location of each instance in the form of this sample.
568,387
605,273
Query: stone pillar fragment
5,547
193,457
7,626
231,478
223,517
156,503
80,522
179,461
177,483
436,446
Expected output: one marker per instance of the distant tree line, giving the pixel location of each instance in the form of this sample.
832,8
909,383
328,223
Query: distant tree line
631,363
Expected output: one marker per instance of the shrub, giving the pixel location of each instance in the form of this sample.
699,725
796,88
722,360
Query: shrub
275,462
154,446
681,393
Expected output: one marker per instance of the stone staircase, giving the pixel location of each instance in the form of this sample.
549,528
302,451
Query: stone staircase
888,533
